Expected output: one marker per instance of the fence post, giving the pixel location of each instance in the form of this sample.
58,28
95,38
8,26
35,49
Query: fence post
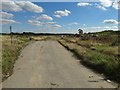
11,33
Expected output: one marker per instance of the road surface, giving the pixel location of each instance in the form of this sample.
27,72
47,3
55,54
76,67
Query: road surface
47,64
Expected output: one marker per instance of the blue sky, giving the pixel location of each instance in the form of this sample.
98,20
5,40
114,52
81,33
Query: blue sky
59,17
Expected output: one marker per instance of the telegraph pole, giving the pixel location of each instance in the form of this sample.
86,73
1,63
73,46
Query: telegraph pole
11,33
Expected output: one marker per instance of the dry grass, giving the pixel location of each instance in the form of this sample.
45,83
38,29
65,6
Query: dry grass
39,38
105,48
10,52
104,63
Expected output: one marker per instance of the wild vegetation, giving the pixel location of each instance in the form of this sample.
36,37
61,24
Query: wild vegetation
10,52
99,51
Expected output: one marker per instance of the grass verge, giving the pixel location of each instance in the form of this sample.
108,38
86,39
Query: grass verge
100,62
10,52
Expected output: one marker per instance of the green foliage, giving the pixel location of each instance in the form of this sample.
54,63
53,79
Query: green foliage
115,42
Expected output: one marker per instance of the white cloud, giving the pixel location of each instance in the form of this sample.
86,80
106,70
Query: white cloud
110,21
6,15
59,14
5,18
21,5
116,5
101,7
26,5
115,27
10,6
50,22
5,0
7,21
53,27
106,3
44,17
74,23
50,28
100,28
95,27
106,27
39,23
35,22
83,4
57,26
84,24
110,28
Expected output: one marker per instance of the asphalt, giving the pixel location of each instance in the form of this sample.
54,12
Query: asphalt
47,64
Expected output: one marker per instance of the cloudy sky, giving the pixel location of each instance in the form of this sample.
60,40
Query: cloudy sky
59,17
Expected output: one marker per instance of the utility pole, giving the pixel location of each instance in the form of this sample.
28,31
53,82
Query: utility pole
11,33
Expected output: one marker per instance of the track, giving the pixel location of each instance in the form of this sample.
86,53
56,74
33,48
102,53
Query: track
47,64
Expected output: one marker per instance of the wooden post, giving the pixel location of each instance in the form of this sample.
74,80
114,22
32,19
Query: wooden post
11,33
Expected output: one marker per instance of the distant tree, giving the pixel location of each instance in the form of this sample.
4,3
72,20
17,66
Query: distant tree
80,32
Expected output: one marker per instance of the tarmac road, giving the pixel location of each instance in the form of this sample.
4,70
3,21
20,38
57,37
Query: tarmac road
47,64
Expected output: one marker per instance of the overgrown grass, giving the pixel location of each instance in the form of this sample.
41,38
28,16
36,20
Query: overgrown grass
105,48
103,63
10,52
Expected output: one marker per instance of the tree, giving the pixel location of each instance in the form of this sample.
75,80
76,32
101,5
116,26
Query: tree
80,32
